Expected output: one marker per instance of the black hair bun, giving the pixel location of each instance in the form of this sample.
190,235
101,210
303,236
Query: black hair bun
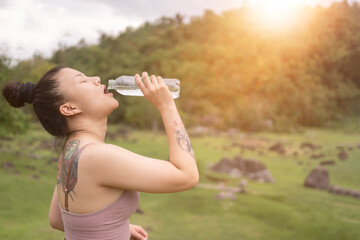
17,94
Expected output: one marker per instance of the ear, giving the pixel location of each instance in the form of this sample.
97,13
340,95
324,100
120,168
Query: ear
68,109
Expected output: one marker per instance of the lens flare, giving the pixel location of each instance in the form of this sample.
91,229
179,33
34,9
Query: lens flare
277,14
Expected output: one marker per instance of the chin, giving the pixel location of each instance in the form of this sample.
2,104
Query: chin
114,105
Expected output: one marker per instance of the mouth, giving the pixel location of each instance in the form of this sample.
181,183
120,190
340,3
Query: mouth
104,89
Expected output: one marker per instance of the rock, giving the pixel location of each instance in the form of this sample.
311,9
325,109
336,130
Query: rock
8,165
239,163
235,172
139,211
34,176
16,173
265,176
316,156
252,166
336,189
278,147
342,191
224,166
348,192
34,156
309,145
52,160
243,184
226,195
327,162
251,144
46,145
30,167
318,178
251,176
356,194
342,156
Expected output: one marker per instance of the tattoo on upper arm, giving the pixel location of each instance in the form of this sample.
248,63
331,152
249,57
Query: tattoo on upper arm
182,138
67,173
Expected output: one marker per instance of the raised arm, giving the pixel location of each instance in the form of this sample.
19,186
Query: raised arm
121,168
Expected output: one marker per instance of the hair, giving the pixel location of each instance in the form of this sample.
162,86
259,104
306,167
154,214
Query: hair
45,98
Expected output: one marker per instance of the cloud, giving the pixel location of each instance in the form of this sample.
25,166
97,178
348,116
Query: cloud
27,26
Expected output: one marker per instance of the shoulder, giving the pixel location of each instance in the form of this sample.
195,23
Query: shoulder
101,151
100,155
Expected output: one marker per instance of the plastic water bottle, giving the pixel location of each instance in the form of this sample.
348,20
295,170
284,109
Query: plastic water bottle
126,85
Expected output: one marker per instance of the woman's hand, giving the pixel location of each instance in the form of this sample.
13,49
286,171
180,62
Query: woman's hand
137,233
155,91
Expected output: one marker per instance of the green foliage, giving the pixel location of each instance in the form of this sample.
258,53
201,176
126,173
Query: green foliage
231,71
11,120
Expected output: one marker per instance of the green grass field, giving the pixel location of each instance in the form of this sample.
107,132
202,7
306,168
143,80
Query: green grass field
281,210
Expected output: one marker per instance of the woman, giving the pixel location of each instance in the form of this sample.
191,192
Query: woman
98,184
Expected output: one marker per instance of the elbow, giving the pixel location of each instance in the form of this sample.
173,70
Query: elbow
55,224
195,179
192,180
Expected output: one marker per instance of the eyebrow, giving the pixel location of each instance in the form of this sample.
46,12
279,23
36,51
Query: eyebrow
79,74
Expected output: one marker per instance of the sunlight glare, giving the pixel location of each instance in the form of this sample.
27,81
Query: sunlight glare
276,14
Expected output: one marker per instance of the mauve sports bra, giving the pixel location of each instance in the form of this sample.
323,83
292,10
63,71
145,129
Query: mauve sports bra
109,223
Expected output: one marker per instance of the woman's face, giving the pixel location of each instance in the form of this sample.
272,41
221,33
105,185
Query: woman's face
86,93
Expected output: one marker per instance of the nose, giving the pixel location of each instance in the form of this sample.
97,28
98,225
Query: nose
96,80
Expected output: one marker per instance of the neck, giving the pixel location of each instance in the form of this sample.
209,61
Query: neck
91,130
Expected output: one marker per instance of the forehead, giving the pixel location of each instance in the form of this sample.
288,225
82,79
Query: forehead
67,75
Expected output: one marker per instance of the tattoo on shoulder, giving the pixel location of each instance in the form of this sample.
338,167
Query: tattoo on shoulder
182,137
68,167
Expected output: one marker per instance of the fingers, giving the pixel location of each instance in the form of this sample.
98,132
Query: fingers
146,83
146,80
142,232
139,233
139,82
160,80
154,81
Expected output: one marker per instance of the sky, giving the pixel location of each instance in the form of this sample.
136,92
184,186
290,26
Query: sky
29,27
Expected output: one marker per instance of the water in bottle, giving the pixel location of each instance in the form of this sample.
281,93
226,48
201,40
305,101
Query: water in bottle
126,85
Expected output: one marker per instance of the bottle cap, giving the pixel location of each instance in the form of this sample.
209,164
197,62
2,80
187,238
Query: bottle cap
110,84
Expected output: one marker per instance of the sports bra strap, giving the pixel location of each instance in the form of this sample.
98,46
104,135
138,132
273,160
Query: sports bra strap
67,190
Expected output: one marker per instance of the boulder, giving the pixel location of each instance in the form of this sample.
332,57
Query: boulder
356,194
243,184
235,172
278,147
253,165
318,178
316,156
342,156
239,163
309,145
264,176
224,166
8,165
336,189
327,162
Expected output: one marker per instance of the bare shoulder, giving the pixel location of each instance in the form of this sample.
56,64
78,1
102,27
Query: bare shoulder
102,152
